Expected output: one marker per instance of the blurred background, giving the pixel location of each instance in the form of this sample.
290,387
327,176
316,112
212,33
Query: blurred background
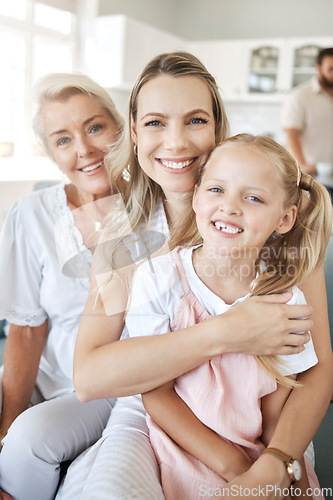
257,50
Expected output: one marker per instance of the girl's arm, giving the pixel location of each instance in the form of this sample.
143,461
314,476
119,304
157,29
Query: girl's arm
105,368
177,420
305,408
23,349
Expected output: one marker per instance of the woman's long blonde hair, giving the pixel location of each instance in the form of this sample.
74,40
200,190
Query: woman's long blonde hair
141,195
288,259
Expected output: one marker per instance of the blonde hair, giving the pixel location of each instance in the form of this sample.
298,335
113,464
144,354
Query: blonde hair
288,259
60,87
141,195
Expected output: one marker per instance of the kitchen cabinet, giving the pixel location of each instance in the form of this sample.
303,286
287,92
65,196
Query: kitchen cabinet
265,63
261,70
225,60
264,69
304,53
303,64
244,69
275,66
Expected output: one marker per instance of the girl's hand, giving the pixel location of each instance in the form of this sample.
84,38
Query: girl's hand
265,325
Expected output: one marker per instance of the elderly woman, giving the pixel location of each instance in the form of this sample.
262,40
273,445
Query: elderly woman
46,247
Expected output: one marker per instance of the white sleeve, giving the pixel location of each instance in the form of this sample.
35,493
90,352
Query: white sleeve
297,363
155,295
20,273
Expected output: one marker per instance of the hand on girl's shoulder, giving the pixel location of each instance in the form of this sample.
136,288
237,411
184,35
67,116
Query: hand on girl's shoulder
297,296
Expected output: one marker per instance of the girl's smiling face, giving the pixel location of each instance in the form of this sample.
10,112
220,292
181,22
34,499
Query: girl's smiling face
240,201
174,130
79,132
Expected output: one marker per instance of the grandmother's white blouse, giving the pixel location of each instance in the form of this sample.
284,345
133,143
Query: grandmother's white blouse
45,271
37,241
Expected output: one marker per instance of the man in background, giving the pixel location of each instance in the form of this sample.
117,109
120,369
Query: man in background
307,116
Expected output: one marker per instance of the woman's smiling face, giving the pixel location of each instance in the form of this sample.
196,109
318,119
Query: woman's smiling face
174,130
79,132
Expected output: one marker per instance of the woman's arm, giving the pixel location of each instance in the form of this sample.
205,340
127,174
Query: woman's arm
105,367
294,144
23,349
271,407
178,421
305,408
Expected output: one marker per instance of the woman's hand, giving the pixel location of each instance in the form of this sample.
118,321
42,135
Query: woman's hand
265,325
4,495
267,478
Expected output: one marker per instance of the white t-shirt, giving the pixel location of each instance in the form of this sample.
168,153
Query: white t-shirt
157,292
45,273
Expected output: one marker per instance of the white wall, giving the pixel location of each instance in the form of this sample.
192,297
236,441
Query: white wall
256,118
162,14
225,19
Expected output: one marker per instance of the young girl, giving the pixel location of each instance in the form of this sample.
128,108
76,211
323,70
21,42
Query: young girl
255,235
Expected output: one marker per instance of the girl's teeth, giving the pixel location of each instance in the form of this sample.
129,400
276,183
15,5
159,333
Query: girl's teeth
175,165
227,229
92,167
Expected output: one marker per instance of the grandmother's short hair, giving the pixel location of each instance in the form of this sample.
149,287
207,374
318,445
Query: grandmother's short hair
59,87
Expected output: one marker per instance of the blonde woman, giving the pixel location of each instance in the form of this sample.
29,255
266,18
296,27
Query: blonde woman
46,248
175,119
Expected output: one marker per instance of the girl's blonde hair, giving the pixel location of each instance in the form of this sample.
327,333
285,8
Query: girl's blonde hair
60,87
288,259
141,195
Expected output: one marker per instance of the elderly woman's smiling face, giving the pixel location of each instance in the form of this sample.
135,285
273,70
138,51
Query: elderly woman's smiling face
80,132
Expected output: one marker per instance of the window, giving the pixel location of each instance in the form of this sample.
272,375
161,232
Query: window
15,9
36,37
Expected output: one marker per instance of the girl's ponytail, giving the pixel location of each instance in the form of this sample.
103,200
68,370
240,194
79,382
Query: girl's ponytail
292,257
315,224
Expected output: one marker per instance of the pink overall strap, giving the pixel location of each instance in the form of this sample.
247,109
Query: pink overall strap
180,269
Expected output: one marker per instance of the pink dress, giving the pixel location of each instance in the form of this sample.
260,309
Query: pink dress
225,394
